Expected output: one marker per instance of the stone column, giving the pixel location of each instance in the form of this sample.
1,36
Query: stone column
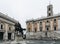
5,37
43,24
38,26
12,36
32,26
51,24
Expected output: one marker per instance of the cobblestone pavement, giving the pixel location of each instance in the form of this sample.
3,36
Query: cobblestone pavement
31,42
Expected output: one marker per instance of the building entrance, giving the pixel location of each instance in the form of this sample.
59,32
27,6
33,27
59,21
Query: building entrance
9,36
1,35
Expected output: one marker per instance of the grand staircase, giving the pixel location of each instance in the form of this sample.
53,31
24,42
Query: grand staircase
55,34
39,35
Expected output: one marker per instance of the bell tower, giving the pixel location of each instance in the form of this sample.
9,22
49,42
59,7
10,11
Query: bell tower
49,10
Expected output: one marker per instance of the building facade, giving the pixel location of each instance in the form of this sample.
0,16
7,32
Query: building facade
47,24
7,28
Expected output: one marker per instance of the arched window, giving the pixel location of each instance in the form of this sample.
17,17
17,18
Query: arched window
49,14
49,9
1,26
47,28
47,21
54,20
9,28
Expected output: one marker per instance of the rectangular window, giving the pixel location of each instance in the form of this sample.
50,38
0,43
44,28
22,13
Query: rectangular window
28,29
46,34
40,28
35,30
40,23
55,28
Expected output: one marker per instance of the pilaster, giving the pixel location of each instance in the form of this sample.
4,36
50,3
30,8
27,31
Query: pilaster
12,36
38,26
5,37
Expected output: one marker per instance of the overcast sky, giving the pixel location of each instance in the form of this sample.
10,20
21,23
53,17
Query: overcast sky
23,10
